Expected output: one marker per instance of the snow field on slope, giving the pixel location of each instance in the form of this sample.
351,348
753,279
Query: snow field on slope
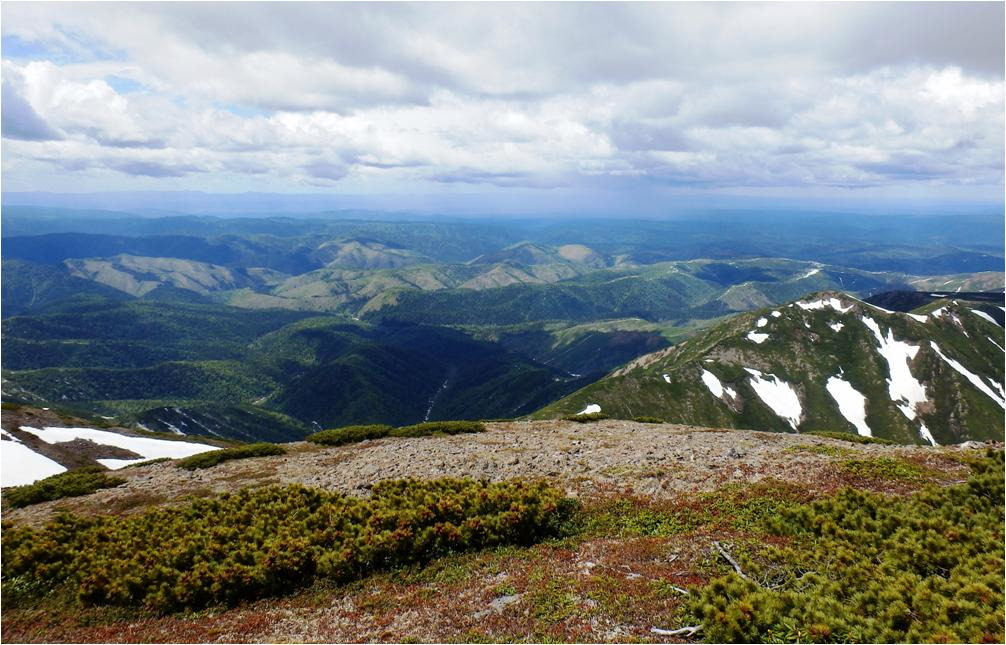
851,403
20,465
777,395
593,408
147,447
757,337
982,314
905,390
971,376
715,387
834,303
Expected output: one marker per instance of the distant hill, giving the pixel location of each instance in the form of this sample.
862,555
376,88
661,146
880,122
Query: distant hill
824,362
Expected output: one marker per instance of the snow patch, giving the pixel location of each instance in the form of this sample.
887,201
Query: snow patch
115,464
809,273
757,337
837,326
905,390
971,376
918,317
982,314
925,434
147,447
834,303
777,395
761,322
667,379
715,387
996,344
593,408
20,465
776,314
851,403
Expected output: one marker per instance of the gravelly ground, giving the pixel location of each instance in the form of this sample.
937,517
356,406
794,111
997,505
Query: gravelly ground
646,459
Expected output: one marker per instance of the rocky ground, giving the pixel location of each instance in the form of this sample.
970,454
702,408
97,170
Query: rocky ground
654,460
616,581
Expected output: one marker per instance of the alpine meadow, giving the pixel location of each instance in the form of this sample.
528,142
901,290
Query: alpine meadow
476,322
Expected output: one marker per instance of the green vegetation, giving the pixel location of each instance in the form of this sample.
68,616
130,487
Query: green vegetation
880,468
260,542
848,436
214,457
72,483
861,567
585,418
355,434
805,348
645,419
349,434
731,508
439,427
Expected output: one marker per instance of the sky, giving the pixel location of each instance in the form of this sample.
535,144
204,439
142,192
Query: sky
836,101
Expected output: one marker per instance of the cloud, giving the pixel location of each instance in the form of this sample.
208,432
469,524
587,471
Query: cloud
379,96
21,121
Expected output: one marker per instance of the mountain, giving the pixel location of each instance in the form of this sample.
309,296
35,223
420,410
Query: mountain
217,371
824,362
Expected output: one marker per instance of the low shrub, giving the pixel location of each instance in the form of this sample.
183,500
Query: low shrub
848,436
586,418
349,434
862,567
258,542
648,420
72,483
886,468
439,427
214,457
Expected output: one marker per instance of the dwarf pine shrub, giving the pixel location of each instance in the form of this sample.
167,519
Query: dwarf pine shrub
258,542
863,567
439,427
214,457
349,434
848,436
72,483
585,418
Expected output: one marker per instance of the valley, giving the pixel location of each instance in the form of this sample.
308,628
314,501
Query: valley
269,328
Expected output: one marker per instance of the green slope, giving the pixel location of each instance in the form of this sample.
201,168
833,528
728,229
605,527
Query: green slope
805,348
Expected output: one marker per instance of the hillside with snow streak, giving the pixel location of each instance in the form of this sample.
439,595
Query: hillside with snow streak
827,361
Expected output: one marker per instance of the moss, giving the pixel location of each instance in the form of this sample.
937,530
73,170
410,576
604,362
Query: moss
73,483
214,457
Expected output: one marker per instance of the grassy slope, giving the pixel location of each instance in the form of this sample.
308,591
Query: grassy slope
807,357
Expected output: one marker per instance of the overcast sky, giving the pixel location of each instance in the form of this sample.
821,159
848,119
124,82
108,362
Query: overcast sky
817,100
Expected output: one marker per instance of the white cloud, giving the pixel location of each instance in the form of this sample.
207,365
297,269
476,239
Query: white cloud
714,95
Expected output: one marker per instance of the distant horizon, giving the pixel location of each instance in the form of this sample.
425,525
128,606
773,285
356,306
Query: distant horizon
194,202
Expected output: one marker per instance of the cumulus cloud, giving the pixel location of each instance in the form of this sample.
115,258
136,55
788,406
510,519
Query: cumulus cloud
21,121
712,95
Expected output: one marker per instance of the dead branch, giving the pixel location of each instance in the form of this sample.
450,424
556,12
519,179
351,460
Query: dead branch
726,556
684,631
